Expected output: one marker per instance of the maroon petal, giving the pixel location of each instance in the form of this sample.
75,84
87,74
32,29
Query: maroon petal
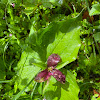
58,75
43,76
53,60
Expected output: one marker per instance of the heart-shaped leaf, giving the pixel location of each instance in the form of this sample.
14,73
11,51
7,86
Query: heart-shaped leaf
95,10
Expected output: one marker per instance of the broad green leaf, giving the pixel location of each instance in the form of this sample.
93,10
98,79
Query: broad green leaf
11,1
26,68
50,3
98,98
33,31
4,1
61,38
95,10
97,37
94,97
66,44
46,3
30,6
56,91
6,81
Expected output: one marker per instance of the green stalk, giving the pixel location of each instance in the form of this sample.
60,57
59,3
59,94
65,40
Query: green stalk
19,94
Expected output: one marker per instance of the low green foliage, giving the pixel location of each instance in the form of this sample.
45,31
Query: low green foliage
32,30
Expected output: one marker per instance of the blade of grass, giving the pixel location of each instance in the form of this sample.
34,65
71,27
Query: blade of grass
19,94
80,13
74,9
5,81
6,46
97,47
33,90
94,53
69,7
87,4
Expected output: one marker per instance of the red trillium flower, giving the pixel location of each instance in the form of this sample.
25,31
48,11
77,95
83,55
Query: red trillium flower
43,76
52,62
58,75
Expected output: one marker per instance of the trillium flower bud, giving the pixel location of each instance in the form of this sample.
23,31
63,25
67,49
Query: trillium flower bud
53,60
58,75
43,76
